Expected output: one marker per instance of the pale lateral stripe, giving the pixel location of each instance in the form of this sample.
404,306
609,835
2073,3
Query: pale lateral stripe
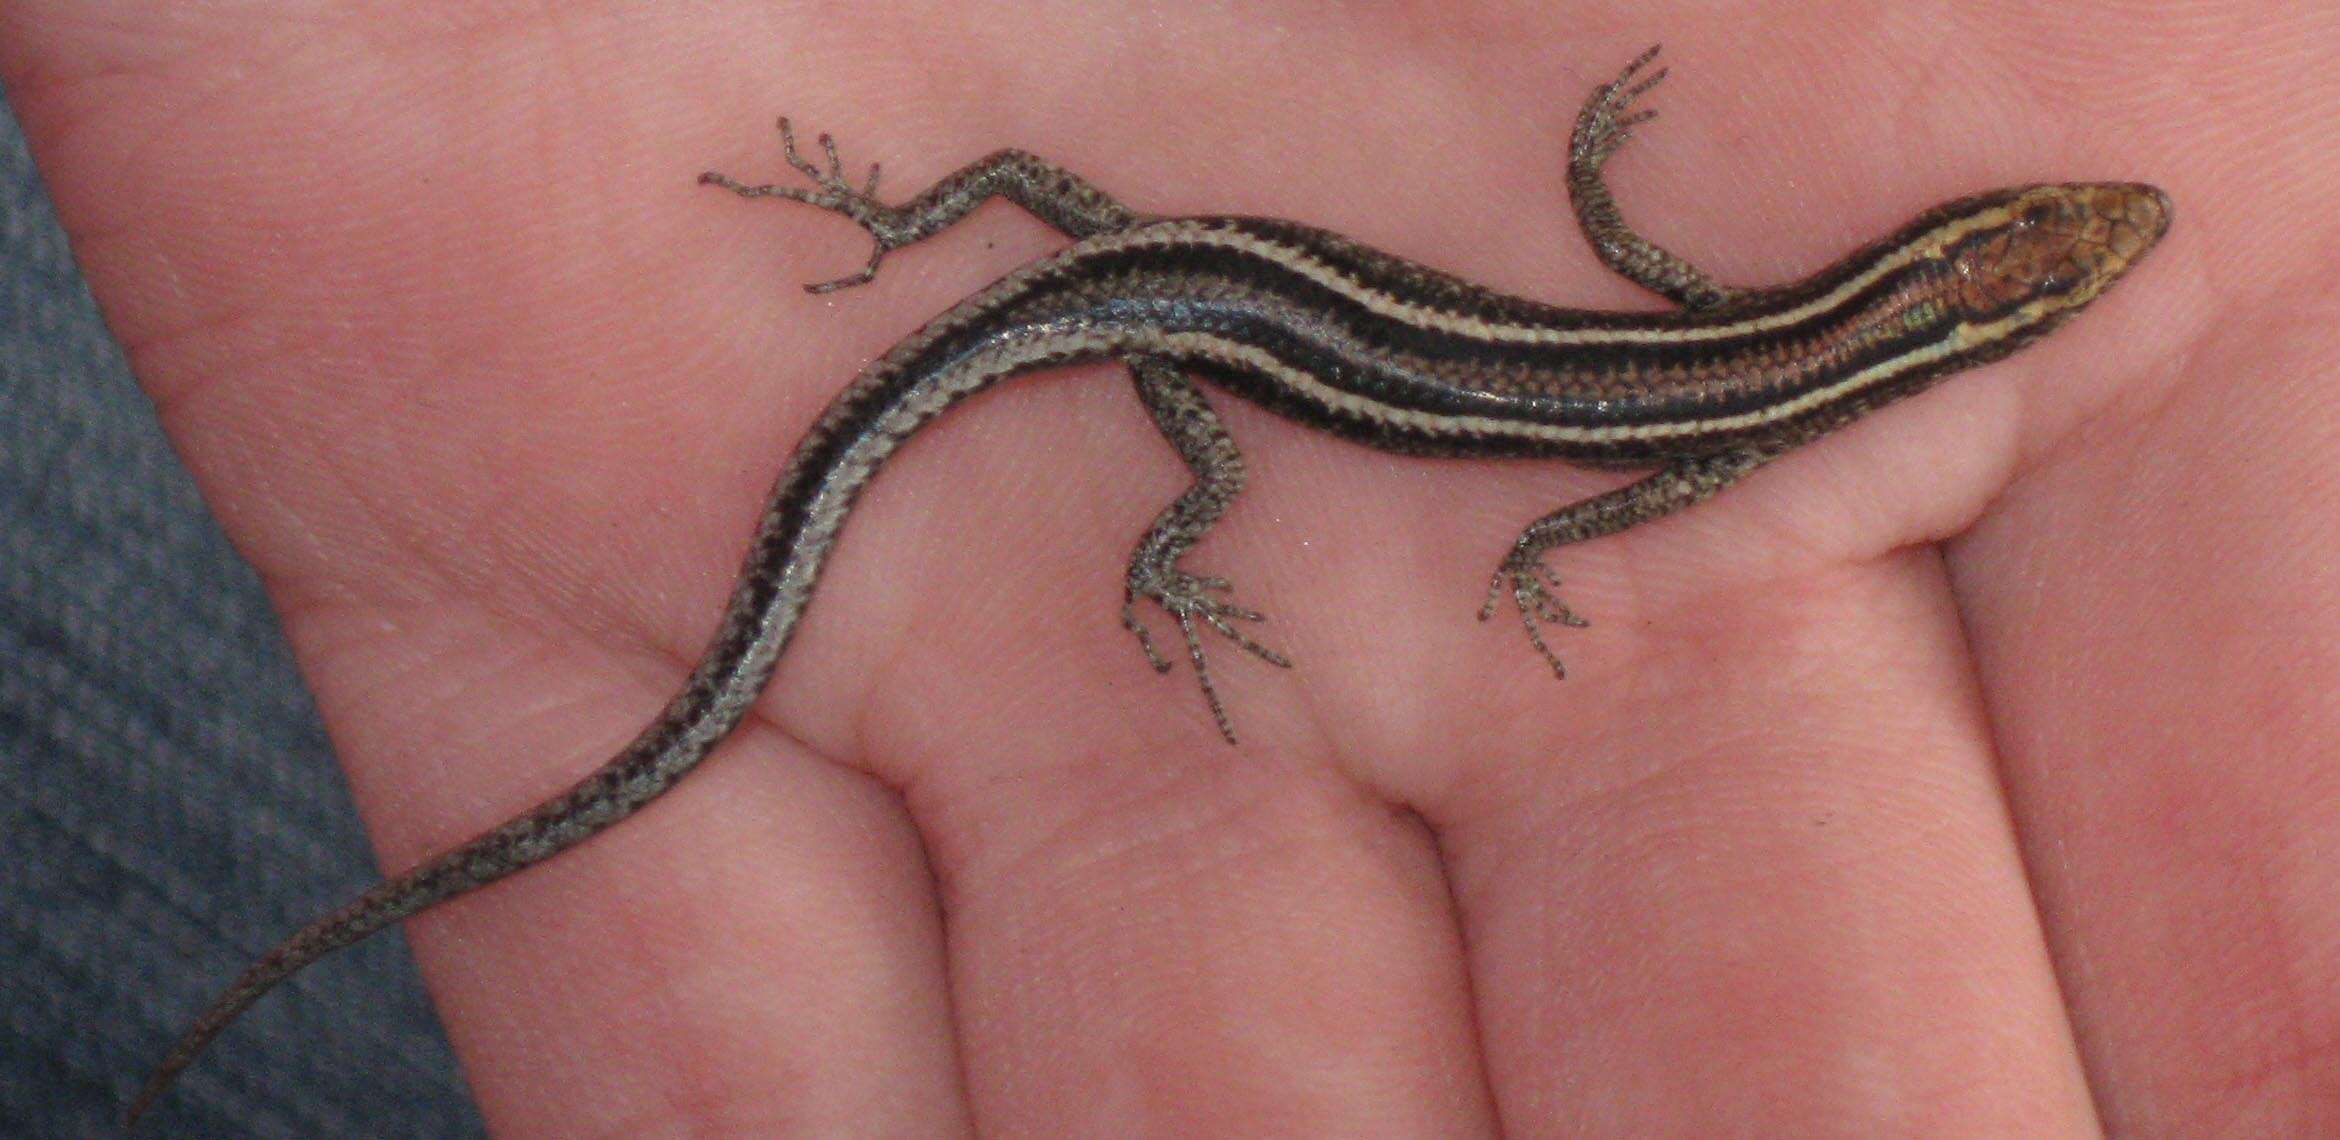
1397,308
997,365
1211,346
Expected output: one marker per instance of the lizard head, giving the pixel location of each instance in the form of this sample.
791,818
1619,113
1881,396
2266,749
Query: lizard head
2021,261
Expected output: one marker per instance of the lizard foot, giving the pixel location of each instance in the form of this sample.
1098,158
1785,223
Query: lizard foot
1189,599
1534,589
830,192
1609,119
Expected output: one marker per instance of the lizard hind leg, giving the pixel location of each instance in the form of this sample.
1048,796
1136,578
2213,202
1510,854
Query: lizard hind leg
1187,421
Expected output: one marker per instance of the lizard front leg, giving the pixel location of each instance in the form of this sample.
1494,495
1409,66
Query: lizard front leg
1534,586
1605,123
1051,193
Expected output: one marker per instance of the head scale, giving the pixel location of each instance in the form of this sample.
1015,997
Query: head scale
2020,262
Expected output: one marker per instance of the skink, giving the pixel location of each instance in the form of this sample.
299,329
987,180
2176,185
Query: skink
1335,336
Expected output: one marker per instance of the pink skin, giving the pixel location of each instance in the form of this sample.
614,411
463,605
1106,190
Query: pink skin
1970,771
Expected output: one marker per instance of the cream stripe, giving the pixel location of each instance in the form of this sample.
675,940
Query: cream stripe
1186,233
1212,347
1021,355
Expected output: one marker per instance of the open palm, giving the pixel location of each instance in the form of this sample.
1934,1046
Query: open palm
1837,827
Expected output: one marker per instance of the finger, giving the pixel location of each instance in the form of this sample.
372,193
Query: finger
1694,893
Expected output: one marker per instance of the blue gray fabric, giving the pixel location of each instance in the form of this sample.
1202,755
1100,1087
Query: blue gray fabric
168,804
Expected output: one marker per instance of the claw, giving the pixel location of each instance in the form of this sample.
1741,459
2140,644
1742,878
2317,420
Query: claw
1640,61
1130,622
1636,91
789,151
836,167
1535,634
1218,621
868,273
1194,653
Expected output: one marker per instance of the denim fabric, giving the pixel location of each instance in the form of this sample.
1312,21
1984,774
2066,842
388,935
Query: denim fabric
168,804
